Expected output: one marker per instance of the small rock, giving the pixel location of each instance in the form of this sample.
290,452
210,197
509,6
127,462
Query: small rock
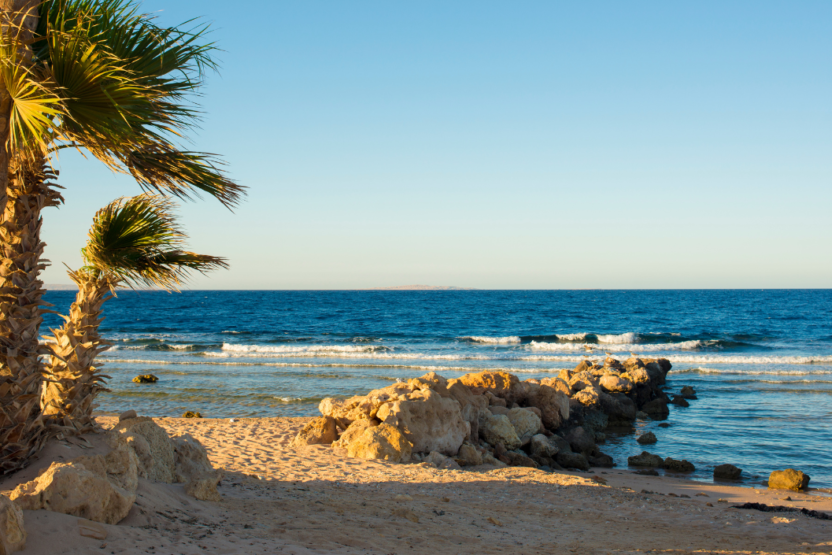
127,415
645,459
404,513
518,458
435,458
727,472
664,425
204,487
688,392
790,478
494,521
192,414
319,431
540,446
647,438
678,466
469,455
145,378
12,531
680,401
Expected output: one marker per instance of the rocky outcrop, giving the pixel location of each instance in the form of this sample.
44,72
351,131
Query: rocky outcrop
383,442
12,531
790,478
320,431
499,384
429,421
656,408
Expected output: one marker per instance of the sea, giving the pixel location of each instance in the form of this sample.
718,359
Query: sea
759,360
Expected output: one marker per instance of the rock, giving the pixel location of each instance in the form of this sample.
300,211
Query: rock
525,422
580,440
648,438
344,411
498,429
127,415
615,384
469,455
572,460
204,486
601,460
678,466
558,384
435,459
645,459
664,425
493,400
540,447
488,458
12,531
145,378
656,408
638,375
790,478
727,472
429,421
72,489
499,384
497,409
153,447
518,458
641,415
191,459
319,431
353,431
647,472
553,405
191,414
583,366
587,397
614,364
680,401
620,410
449,464
583,380
688,392
384,442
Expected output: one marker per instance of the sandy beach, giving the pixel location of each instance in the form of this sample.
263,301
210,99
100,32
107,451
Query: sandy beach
276,499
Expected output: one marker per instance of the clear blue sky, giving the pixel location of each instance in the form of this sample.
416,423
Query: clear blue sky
506,145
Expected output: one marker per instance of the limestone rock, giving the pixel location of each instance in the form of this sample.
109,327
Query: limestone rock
587,397
616,384
637,374
191,414
434,458
518,458
727,472
429,421
677,465
645,459
204,486
525,422
145,378
540,447
191,459
499,384
553,405
583,380
153,447
790,478
384,442
493,400
498,429
497,409
648,438
469,455
344,411
127,415
353,431
488,458
558,384
319,431
601,460
72,489
12,531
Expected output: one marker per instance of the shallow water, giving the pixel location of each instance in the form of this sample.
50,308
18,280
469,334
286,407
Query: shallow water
761,361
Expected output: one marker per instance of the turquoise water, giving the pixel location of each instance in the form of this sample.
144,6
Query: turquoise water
761,361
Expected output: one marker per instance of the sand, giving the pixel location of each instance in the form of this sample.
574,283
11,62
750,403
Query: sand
317,500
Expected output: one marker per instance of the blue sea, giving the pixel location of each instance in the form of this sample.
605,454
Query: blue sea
760,361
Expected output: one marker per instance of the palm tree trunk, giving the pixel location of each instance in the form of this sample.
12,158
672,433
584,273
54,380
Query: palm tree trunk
72,382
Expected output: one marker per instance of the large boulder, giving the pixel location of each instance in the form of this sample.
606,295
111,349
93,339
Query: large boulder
469,455
384,442
343,411
353,431
499,384
155,450
12,532
790,478
613,383
429,421
620,410
318,431
580,440
727,472
498,429
191,459
553,405
72,489
583,380
587,397
558,384
526,423
637,374
572,460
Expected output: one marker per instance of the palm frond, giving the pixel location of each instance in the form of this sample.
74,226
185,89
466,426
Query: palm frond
136,241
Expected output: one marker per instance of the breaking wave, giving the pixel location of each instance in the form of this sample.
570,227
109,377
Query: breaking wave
492,340
287,349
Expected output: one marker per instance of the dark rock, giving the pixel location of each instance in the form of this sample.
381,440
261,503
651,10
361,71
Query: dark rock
677,466
790,478
145,378
645,459
656,408
572,460
562,445
688,392
727,472
680,401
601,460
664,425
581,440
518,458
648,438
594,420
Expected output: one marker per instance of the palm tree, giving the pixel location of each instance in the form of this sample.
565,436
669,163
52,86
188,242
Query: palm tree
132,241
102,77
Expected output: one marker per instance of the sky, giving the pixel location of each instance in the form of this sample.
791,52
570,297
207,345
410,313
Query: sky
504,145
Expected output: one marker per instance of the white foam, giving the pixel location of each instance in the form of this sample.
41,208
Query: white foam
628,337
281,349
617,347
493,340
716,359
571,336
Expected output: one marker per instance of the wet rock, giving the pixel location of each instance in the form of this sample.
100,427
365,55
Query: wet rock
648,438
469,455
601,460
664,425
572,460
498,429
525,422
688,392
727,472
677,465
153,448
383,442
127,415
318,431
353,431
580,440
12,531
615,384
680,401
204,486
641,415
192,414
645,459
790,478
145,378
656,408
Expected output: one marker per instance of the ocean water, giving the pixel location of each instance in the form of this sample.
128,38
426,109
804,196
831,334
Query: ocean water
761,361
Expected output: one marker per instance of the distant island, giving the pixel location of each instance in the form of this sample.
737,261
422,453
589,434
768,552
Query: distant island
60,287
422,288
